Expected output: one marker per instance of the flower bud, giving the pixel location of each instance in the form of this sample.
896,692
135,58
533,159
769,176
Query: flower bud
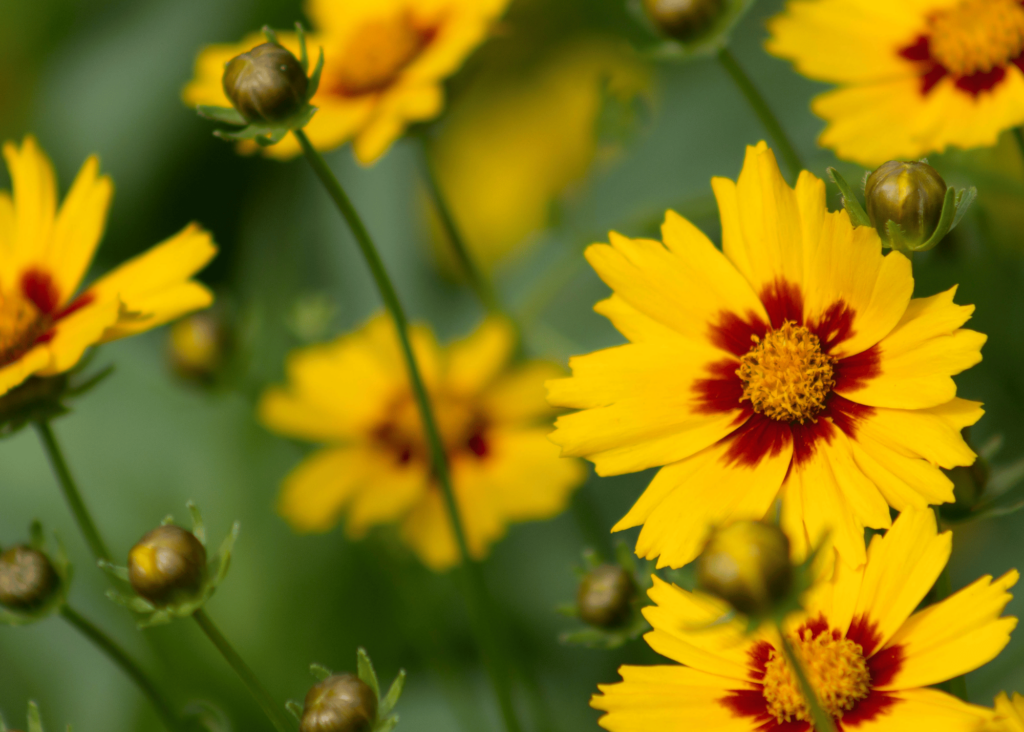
605,595
266,84
909,194
339,704
166,565
747,564
27,579
197,345
682,19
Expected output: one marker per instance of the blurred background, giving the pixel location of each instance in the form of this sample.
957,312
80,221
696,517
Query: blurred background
557,131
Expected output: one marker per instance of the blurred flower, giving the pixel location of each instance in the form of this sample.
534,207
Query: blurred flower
747,564
354,395
384,65
198,345
512,146
868,657
341,703
45,252
605,596
914,77
1009,716
791,364
682,19
27,578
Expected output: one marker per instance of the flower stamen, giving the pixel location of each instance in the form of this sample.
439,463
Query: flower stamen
378,52
976,36
21,323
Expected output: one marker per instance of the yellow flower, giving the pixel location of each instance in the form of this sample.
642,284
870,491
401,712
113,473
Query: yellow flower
510,148
354,395
1009,715
44,254
914,76
869,655
792,364
384,65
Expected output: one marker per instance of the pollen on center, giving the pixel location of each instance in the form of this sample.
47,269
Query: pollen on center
378,52
976,36
836,669
786,375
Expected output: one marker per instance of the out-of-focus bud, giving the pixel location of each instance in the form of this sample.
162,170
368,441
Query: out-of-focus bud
908,194
605,596
747,564
27,579
341,703
266,84
968,487
197,346
682,19
167,565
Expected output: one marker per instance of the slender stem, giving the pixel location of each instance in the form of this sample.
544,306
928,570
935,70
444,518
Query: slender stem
130,667
762,110
823,721
476,590
944,588
477,279
273,711
71,494
1018,135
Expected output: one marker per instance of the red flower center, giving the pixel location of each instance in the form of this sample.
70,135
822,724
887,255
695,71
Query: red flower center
463,428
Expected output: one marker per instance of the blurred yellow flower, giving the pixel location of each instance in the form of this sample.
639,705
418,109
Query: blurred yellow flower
914,76
354,395
384,65
868,654
511,146
1009,715
44,255
792,364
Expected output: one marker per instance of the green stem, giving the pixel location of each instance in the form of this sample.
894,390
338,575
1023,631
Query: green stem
477,279
823,721
132,669
763,111
944,588
476,590
71,494
273,711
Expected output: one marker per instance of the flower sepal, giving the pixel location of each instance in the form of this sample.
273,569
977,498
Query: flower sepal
151,612
42,398
954,205
34,581
673,39
33,719
609,600
266,132
347,703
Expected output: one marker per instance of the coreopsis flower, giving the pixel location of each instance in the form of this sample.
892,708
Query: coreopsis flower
792,364
354,395
913,77
384,65
1009,715
46,321
511,148
869,656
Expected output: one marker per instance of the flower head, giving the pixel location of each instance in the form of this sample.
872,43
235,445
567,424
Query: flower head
868,654
384,64
913,77
792,364
47,320
354,395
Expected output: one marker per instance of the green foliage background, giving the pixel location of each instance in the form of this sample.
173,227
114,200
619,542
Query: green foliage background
104,76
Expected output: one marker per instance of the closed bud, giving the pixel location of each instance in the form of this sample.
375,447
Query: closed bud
339,704
266,84
747,564
682,19
167,565
197,346
27,579
909,194
605,596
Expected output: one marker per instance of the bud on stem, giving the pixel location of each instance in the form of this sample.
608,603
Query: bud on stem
266,84
747,564
167,565
342,703
682,19
605,595
910,195
27,579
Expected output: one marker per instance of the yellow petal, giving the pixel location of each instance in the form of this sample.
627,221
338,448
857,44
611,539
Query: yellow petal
396,489
34,209
926,710
79,226
17,371
315,493
75,333
519,395
475,361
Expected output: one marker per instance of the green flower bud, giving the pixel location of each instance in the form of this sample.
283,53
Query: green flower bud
339,704
747,564
197,346
167,565
682,19
909,194
27,579
266,84
605,595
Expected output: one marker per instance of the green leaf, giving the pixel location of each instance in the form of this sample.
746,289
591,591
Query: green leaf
295,708
365,671
964,198
898,238
225,115
198,528
388,702
38,539
113,570
387,725
303,56
320,673
851,203
270,34
944,225
314,79
35,722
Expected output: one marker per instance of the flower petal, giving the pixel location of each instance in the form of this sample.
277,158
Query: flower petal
925,710
79,226
476,360
315,493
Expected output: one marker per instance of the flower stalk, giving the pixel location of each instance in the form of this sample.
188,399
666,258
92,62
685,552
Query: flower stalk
273,711
823,721
762,110
476,590
71,494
